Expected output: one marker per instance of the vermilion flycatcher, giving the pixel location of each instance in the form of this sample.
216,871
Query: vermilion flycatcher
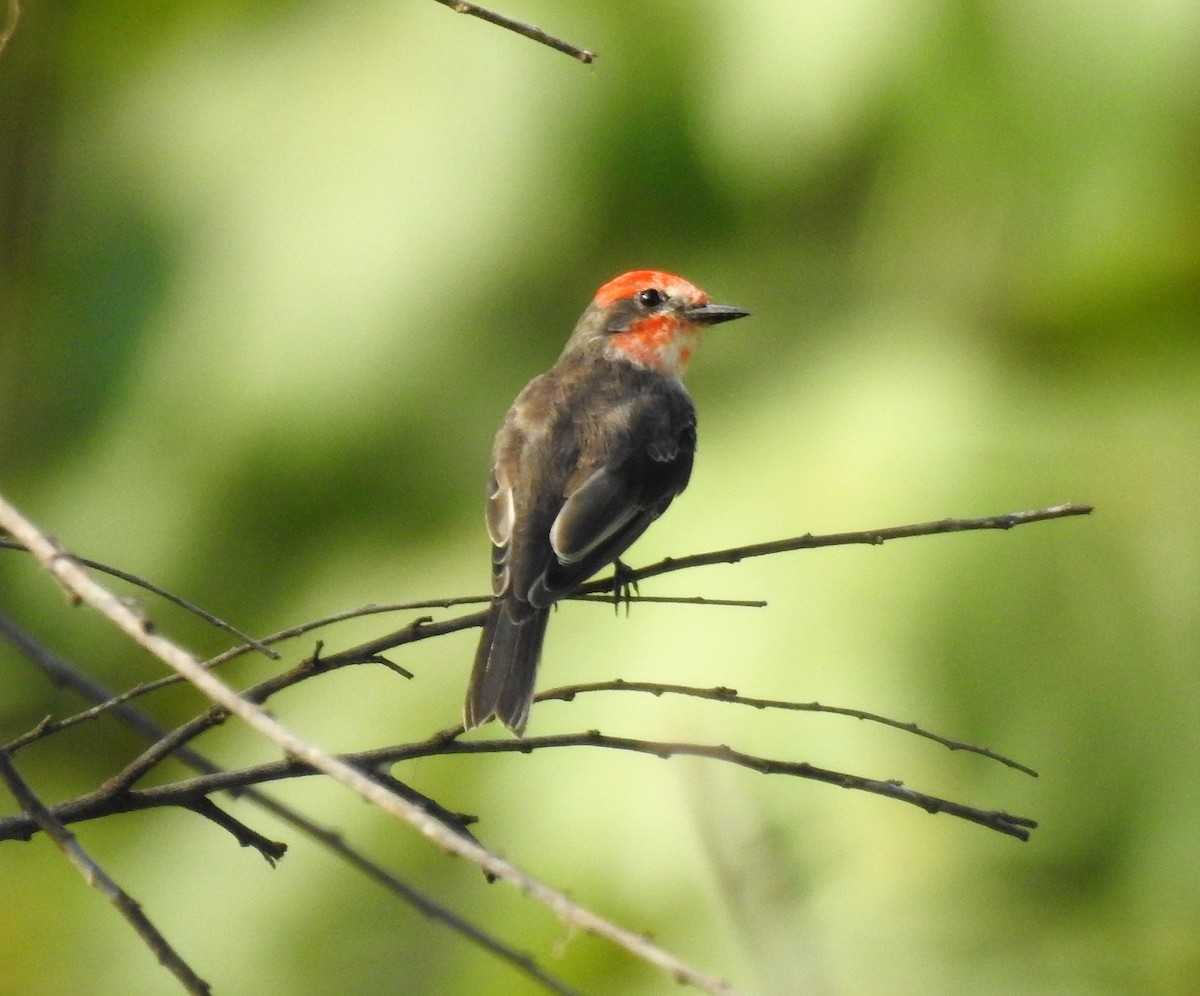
590,454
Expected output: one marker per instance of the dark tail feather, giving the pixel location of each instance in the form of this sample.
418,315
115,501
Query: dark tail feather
505,668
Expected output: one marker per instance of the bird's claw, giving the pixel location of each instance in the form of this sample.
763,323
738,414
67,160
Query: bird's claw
624,586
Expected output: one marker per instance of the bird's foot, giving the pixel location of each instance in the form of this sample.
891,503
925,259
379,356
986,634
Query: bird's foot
624,587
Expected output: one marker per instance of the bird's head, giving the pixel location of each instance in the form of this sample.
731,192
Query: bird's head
650,318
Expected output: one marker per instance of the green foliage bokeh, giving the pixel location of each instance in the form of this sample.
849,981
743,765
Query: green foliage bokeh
272,273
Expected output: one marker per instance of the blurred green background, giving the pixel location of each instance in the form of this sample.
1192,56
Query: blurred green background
271,275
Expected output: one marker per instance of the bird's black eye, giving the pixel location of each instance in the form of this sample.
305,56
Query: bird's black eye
649,298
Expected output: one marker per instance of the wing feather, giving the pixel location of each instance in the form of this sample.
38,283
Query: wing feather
599,508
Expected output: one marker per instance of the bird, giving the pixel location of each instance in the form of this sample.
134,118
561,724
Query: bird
590,453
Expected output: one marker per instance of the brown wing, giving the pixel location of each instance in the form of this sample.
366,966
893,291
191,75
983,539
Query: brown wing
584,462
616,500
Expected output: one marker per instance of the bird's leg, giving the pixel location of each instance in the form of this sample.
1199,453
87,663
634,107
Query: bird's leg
623,586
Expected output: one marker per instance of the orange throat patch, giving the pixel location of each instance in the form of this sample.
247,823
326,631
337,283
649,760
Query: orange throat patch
660,342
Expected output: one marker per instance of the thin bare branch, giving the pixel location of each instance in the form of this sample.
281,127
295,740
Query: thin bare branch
599,590
118,796
97,878
1013,826
737,603
527,30
627,575
98,804
83,587
435,911
179,600
424,627
101,803
65,675
271,850
870,537
568,692
257,694
365,653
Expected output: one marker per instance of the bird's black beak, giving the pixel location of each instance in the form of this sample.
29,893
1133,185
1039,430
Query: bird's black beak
711,314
